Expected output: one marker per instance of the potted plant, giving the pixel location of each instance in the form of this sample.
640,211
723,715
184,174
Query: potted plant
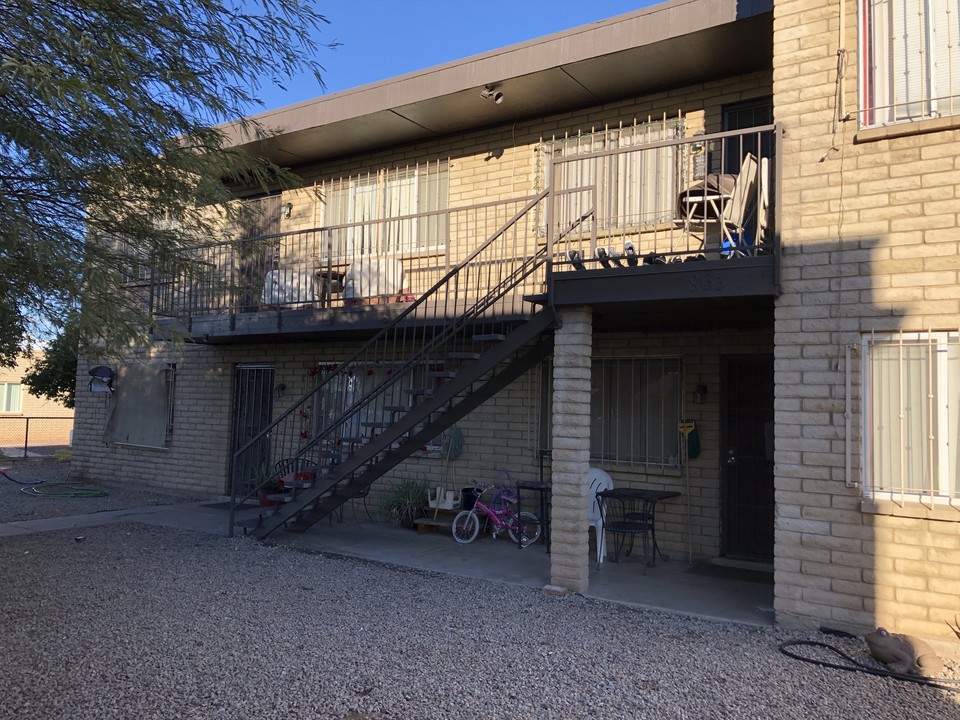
266,483
405,500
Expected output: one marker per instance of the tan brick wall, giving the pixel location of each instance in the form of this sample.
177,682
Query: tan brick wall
49,421
701,494
569,550
870,239
500,162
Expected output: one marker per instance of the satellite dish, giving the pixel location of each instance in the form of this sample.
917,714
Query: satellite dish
102,372
101,379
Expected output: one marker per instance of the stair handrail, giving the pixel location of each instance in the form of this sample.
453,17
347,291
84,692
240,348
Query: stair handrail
479,305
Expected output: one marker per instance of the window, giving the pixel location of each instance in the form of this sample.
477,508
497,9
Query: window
635,187
728,156
910,63
911,391
10,395
634,411
142,413
391,211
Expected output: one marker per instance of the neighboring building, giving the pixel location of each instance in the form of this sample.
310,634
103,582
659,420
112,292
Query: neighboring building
795,222
30,424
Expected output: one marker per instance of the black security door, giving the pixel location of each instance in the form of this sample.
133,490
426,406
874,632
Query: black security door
252,412
747,456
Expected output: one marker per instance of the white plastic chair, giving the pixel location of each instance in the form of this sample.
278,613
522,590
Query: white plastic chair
599,481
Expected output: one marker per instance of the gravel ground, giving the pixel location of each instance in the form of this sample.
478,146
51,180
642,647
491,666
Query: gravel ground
141,622
16,505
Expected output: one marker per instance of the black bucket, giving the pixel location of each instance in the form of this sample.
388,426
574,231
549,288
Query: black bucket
468,497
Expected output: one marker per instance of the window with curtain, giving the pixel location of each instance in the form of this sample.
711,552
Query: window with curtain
911,387
910,60
634,411
635,186
142,413
10,397
390,211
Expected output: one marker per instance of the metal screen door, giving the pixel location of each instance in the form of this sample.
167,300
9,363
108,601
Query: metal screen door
252,412
747,456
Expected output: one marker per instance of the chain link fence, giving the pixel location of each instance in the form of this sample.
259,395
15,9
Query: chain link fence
34,436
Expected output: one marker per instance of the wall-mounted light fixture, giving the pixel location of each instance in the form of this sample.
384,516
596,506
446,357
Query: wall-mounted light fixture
492,94
285,210
698,145
700,394
280,389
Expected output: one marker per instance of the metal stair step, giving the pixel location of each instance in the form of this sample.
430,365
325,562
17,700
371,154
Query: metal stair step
298,484
280,497
463,356
420,391
490,337
444,373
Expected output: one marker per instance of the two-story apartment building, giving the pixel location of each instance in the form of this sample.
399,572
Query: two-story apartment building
709,246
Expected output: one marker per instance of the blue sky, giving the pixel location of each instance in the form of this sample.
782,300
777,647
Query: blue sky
385,38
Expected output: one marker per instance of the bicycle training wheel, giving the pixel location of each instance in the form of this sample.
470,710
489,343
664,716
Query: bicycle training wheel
466,527
526,528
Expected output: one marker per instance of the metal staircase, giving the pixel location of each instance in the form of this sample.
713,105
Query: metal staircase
472,334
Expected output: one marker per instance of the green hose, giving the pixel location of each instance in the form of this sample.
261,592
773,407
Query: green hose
64,490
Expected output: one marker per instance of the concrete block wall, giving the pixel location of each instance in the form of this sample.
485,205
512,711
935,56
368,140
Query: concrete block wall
499,434
197,456
500,163
870,242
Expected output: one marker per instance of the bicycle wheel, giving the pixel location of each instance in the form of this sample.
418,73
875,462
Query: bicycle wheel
527,527
466,527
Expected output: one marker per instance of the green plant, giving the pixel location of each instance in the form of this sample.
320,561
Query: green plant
405,500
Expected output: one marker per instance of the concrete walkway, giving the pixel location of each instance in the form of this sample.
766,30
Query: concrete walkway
668,586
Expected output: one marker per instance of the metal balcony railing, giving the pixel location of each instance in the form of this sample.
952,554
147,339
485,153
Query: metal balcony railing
613,196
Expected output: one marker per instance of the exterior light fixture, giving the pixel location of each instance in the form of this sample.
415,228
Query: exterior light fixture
286,209
700,394
490,94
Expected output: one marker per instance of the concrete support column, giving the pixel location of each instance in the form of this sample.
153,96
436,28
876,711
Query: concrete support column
569,549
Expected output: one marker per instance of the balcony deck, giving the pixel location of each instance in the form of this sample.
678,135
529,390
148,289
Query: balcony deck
707,233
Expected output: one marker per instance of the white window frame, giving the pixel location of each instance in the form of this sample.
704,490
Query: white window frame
909,60
11,394
911,406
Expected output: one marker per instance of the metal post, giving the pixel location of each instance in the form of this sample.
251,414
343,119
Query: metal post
26,437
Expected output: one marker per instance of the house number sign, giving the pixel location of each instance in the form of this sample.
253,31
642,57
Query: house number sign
705,282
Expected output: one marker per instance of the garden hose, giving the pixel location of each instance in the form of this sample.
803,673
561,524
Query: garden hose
854,665
4,473
42,488
64,490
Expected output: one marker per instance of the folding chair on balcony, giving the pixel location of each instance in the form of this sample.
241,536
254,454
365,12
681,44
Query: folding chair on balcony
738,234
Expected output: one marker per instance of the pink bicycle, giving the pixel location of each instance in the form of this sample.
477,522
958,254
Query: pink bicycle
523,528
